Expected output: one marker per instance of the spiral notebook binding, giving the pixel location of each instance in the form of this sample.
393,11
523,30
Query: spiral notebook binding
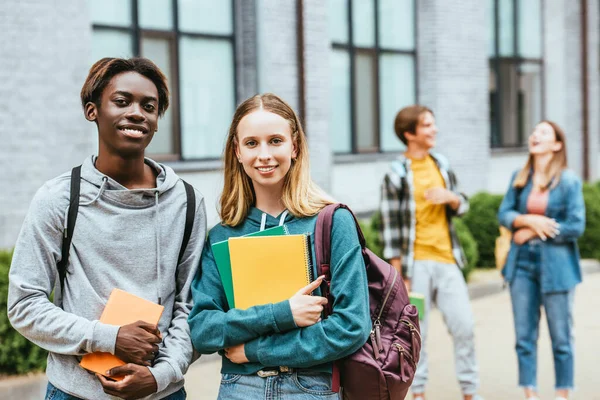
308,258
285,229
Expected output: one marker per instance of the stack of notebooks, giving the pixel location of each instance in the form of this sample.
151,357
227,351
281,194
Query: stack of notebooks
263,267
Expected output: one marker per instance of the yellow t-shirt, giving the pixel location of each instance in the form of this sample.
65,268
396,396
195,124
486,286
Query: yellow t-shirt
432,241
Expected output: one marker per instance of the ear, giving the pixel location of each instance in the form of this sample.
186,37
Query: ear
409,136
90,111
557,146
237,151
294,151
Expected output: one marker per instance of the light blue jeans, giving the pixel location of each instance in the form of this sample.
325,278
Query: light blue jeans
54,393
303,385
527,300
444,285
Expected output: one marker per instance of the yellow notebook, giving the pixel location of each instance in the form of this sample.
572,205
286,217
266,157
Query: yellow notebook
122,308
268,269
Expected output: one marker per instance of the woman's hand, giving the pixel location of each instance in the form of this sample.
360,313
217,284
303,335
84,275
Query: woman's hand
307,309
543,226
523,236
236,354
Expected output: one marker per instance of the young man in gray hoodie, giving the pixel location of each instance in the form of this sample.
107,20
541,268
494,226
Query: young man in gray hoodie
129,231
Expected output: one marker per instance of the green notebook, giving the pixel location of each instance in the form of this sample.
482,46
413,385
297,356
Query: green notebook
221,254
418,300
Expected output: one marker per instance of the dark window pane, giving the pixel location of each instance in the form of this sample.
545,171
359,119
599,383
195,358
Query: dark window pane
530,91
508,96
365,104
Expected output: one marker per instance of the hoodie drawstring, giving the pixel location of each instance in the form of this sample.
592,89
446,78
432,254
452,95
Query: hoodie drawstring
157,230
263,219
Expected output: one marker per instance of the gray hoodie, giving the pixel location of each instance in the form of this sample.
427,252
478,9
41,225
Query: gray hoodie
127,239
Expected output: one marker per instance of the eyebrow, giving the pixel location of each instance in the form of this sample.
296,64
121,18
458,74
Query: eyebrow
127,94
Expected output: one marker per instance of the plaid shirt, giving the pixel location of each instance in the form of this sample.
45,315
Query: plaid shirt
398,208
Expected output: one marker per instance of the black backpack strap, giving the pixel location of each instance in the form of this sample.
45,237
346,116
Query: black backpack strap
189,218
71,219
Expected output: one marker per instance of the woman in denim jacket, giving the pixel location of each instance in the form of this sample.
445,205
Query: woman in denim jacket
544,208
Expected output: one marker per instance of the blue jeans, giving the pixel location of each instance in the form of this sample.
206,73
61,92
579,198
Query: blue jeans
305,385
54,393
527,300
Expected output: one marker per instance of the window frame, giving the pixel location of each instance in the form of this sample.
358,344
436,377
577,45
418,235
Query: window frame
173,36
376,50
514,61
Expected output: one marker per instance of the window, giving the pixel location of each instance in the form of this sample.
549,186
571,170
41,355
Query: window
372,72
192,42
516,70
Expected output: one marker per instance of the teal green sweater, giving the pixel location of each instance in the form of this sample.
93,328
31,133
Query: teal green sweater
268,331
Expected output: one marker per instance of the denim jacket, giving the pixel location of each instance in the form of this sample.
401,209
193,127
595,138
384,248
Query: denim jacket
560,255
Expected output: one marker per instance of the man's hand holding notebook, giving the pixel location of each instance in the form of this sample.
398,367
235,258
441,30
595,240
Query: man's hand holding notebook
137,343
138,337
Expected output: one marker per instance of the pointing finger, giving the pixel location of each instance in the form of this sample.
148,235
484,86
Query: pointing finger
308,289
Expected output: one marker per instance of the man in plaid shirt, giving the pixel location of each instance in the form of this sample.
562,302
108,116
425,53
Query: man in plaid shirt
419,197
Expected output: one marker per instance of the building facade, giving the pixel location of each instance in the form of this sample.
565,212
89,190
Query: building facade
489,69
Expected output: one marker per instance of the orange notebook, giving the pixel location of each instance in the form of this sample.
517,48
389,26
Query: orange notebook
122,308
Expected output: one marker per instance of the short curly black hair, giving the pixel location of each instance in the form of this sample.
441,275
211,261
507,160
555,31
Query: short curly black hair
105,69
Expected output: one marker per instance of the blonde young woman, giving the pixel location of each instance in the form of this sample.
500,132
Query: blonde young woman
282,350
545,210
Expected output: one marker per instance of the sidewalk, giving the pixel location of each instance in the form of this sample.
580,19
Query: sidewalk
495,349
495,346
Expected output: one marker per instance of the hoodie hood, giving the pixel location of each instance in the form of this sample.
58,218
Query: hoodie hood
262,220
113,190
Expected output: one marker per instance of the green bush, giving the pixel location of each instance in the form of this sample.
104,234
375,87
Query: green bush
372,227
469,245
483,225
17,354
588,242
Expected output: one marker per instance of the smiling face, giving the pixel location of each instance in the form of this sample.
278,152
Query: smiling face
425,132
127,116
543,140
265,149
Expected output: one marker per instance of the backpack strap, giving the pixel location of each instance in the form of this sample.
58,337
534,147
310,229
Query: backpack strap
323,254
71,219
189,218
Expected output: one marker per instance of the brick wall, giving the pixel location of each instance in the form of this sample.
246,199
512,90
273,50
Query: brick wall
453,78
44,58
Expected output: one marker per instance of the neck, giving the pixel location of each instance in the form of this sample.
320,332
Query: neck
541,163
269,200
133,173
416,152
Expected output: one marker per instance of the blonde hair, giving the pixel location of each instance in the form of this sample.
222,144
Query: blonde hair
301,196
556,166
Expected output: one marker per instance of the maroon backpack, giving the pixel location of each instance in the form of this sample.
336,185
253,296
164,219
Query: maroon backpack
383,369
